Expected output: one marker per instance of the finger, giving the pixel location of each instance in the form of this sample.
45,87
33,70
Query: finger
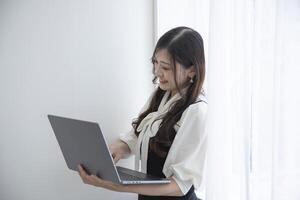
82,171
113,155
117,158
87,180
83,174
110,148
82,178
96,181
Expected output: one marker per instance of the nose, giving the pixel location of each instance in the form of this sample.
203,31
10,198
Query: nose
157,71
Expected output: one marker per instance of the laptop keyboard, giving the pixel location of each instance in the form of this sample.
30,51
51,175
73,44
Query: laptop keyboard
127,174
138,177
129,177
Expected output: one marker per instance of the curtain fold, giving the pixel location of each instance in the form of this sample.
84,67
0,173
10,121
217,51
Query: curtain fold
252,85
276,100
229,94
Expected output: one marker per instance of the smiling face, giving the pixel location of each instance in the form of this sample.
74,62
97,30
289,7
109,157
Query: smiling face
164,71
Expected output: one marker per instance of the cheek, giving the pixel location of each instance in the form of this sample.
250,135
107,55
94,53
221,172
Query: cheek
170,77
182,79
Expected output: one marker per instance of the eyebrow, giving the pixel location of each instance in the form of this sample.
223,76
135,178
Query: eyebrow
162,62
154,58
165,62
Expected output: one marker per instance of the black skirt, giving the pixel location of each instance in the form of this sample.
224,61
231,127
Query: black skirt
155,166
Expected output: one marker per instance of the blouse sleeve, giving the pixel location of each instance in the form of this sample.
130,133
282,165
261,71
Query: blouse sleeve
129,137
187,155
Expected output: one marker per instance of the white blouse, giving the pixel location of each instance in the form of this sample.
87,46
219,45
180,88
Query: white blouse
185,161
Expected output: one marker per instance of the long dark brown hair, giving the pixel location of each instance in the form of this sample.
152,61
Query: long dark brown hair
184,46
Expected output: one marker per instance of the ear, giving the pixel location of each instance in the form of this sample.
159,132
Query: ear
191,72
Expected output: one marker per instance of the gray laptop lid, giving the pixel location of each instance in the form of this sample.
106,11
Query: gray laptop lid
81,143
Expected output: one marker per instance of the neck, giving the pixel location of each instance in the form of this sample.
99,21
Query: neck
172,93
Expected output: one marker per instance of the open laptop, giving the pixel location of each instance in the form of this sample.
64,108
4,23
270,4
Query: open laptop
82,142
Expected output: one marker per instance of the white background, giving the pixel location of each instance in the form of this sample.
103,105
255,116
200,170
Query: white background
82,59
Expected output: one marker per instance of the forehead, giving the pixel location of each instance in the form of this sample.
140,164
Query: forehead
163,54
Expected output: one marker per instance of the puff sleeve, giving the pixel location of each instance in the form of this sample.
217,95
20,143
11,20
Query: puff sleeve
186,158
129,137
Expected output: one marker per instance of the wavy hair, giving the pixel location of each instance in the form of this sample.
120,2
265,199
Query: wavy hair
184,46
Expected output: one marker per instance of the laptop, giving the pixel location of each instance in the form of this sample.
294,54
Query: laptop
82,142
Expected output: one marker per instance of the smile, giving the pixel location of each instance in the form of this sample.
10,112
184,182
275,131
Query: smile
162,82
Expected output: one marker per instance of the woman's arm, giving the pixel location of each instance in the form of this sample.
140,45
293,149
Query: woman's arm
119,150
171,189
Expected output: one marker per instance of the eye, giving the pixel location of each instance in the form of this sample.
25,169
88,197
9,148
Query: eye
154,61
165,68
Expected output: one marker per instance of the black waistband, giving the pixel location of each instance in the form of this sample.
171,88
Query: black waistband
190,195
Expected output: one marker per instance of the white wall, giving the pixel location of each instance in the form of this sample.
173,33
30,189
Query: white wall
82,59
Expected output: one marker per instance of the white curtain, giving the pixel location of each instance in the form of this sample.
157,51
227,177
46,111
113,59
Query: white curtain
276,101
253,88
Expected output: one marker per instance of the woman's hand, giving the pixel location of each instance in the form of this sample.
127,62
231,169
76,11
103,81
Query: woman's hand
171,189
119,150
95,181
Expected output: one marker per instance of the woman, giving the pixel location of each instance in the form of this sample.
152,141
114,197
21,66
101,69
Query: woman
169,135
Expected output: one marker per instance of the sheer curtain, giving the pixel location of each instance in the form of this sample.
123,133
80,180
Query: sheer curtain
252,53
276,101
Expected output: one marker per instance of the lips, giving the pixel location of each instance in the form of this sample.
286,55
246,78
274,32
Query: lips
162,82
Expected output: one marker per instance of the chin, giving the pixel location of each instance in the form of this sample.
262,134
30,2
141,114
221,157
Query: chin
163,87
